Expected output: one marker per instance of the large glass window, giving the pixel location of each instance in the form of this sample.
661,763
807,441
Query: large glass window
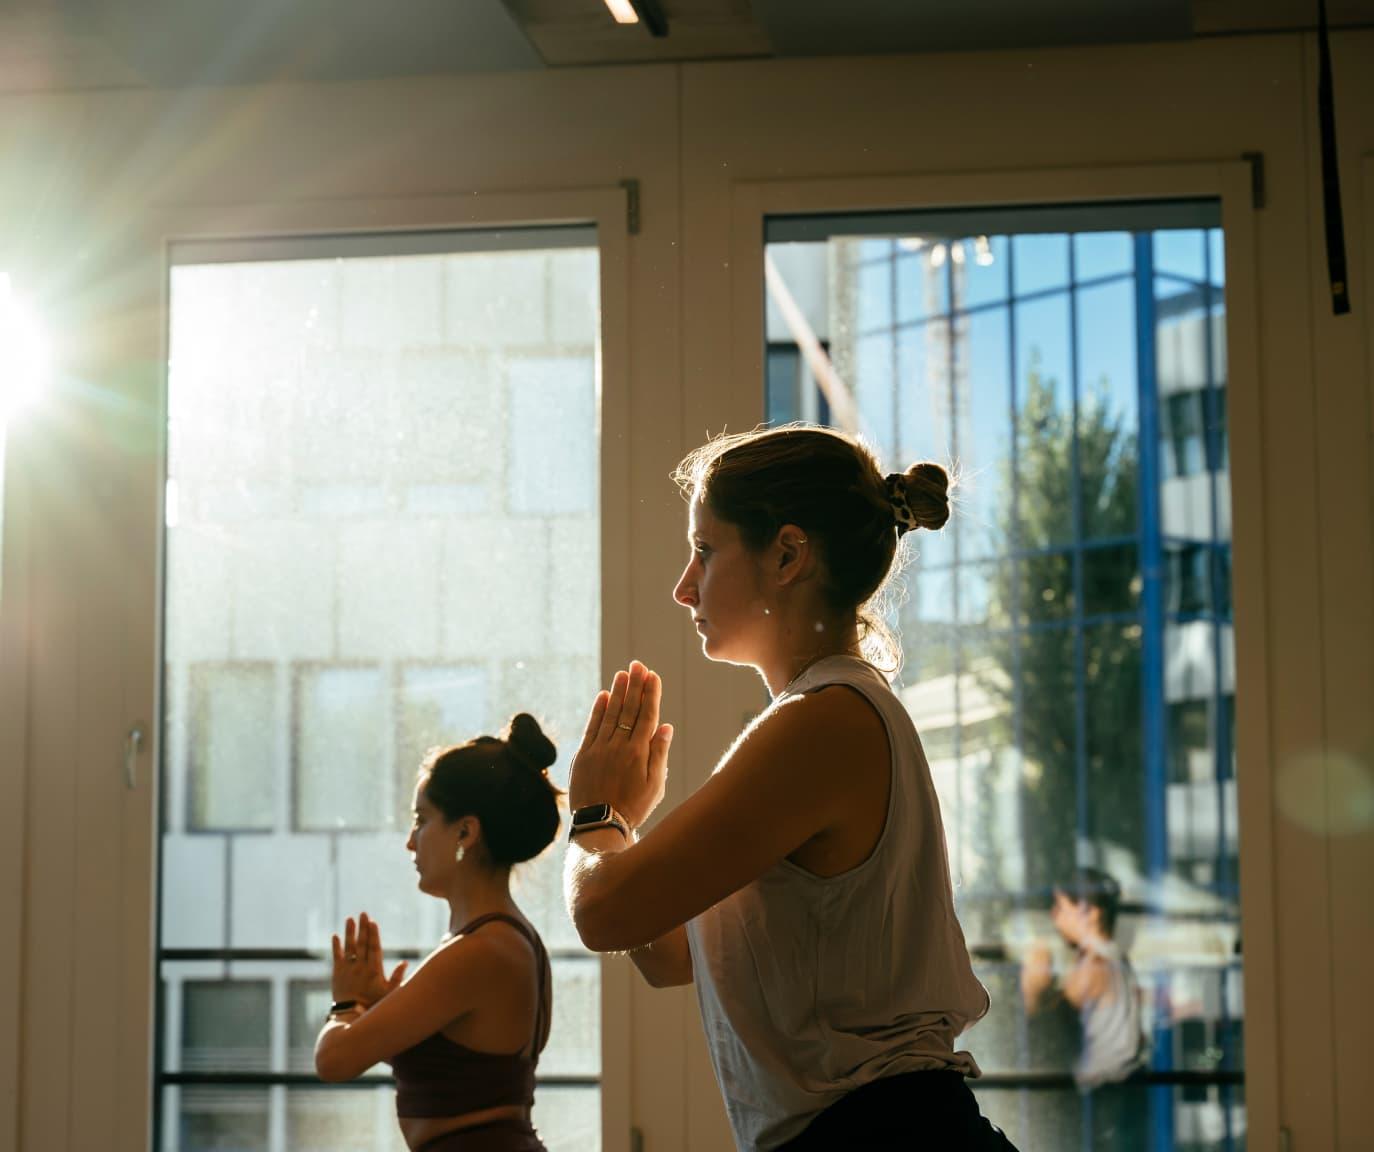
1067,638
378,450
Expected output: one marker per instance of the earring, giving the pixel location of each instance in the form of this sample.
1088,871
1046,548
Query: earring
460,854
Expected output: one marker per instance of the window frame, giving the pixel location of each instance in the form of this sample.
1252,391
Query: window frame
739,399
603,208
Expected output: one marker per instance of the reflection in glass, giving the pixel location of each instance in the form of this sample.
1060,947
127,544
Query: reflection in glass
438,705
213,1119
385,537
1111,579
340,743
233,746
983,388
226,1025
1067,642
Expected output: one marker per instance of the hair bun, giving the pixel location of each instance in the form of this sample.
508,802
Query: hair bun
528,742
927,494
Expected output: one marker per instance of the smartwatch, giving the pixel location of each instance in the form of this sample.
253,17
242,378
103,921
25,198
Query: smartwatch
594,816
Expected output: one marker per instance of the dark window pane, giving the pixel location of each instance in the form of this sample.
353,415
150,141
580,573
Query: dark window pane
1111,579
1219,453
226,1026
1190,753
1182,426
1115,748
1047,586
1048,734
222,1119
1189,578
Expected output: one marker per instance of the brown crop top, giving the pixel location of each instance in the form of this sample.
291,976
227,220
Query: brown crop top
439,1077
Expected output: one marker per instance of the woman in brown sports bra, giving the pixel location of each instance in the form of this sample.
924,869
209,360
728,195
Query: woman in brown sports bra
464,1031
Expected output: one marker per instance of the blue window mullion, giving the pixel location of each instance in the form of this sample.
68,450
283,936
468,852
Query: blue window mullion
1152,648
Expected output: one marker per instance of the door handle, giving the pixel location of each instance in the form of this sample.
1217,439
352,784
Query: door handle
133,744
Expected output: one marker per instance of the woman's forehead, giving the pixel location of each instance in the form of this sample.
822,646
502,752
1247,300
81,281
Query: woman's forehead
701,519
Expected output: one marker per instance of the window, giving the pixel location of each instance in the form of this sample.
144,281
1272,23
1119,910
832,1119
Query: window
340,745
437,705
383,534
233,729
226,1024
1067,643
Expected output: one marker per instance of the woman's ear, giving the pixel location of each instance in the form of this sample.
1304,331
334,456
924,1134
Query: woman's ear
793,554
469,831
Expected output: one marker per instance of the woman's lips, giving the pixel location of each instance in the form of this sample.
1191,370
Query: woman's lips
700,623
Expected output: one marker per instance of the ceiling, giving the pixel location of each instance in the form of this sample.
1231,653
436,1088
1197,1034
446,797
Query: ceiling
60,44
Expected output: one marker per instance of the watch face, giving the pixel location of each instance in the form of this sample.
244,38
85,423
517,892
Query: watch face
592,814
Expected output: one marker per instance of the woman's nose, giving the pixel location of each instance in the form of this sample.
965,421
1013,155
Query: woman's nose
686,591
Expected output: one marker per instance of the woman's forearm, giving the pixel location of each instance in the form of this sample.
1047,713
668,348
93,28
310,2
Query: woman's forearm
667,962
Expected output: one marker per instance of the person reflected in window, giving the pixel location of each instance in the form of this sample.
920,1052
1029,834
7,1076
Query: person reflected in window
1102,988
463,1032
804,888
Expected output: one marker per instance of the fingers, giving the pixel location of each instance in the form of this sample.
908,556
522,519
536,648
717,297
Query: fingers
365,927
338,949
614,706
350,938
646,715
397,976
658,753
595,717
374,945
634,697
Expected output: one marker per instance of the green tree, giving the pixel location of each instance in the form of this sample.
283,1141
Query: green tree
1040,592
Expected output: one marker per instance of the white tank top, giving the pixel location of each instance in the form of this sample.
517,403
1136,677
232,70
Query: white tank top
812,986
1113,1044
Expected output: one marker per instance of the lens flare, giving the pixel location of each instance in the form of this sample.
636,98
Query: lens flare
24,360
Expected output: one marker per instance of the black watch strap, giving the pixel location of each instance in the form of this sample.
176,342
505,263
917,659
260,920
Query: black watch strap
593,816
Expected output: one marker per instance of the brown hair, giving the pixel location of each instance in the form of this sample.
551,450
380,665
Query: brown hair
828,485
504,782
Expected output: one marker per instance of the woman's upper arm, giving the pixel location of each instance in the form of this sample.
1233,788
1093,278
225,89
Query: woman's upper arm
776,789
439,992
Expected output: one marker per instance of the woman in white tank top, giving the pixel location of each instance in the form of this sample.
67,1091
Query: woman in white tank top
804,889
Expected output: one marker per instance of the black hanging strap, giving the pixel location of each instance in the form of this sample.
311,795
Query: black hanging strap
1331,177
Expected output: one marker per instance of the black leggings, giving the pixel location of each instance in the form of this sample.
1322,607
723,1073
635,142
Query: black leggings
912,1112
498,1136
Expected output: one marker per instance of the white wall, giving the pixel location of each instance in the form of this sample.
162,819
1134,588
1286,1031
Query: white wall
90,183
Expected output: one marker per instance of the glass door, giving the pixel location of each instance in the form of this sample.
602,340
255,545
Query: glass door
1068,638
382,533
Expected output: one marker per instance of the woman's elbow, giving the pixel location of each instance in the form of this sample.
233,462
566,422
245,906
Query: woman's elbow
595,927
604,927
331,1065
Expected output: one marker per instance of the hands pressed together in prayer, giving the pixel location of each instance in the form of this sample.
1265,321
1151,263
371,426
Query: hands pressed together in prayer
359,973
623,758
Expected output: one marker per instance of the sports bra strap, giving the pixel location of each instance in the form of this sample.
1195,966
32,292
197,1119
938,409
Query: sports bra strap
540,959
